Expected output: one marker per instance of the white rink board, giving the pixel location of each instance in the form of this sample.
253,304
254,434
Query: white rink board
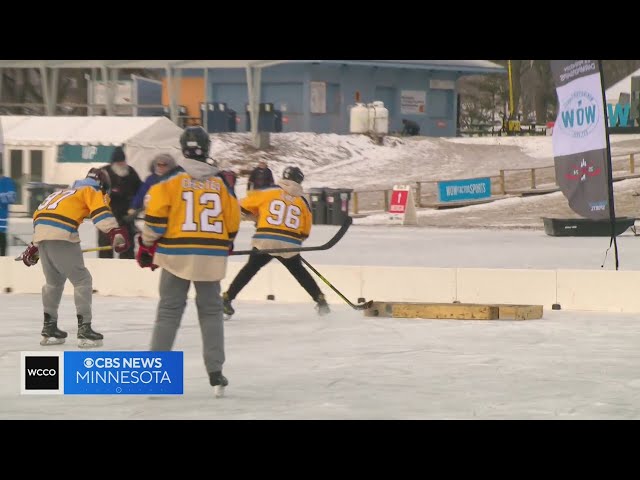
409,284
599,290
531,287
604,291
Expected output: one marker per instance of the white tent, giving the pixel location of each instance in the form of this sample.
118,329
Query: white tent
59,150
612,93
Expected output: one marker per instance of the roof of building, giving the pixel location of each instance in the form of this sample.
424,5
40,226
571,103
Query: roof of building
462,66
623,86
94,130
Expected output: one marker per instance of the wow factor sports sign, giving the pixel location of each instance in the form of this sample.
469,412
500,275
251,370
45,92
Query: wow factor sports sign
579,138
102,373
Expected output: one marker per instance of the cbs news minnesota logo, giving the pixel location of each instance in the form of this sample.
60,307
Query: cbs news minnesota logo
102,373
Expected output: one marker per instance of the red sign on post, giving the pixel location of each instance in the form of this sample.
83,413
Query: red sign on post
398,201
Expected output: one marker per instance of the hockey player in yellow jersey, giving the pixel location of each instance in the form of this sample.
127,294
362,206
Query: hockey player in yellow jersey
283,220
57,243
191,220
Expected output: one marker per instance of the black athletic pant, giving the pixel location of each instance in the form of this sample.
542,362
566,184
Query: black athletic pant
103,241
257,261
3,244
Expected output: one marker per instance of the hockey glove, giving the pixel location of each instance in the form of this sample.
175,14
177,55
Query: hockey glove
145,255
119,238
30,256
131,215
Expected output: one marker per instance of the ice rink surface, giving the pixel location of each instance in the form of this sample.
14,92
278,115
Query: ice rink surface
285,362
403,246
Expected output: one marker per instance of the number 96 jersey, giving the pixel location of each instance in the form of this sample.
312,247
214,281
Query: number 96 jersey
284,217
194,223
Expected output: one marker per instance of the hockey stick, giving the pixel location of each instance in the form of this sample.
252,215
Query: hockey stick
339,234
359,306
96,249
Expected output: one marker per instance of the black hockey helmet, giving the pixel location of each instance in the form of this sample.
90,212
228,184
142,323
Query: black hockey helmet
195,143
102,177
293,173
261,177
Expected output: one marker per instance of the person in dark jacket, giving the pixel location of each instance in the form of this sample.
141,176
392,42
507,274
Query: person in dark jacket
160,165
7,197
410,128
261,177
125,182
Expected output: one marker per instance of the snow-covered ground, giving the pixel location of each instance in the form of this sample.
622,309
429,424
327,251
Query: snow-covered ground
355,161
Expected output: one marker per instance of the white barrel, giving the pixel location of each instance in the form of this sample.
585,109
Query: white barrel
359,118
378,118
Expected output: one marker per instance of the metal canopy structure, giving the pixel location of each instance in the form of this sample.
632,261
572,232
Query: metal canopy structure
138,63
464,67
50,69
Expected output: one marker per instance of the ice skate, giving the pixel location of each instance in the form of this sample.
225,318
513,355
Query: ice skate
322,306
87,338
227,309
51,334
218,382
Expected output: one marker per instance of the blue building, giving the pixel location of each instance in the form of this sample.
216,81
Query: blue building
316,96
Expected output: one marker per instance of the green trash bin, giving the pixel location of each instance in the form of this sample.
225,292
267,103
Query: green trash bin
338,205
37,194
318,204
38,191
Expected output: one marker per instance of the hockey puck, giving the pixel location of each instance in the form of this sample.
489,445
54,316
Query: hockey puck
94,291
271,297
8,290
555,306
456,301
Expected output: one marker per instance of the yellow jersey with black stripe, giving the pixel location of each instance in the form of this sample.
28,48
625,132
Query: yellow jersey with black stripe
194,223
61,213
283,216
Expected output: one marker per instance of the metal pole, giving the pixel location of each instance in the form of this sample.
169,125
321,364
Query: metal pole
105,79
177,85
253,83
205,112
44,80
113,89
170,91
612,208
511,106
90,90
249,74
53,98
256,90
92,86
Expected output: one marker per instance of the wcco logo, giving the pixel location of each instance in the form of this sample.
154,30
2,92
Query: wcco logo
41,372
